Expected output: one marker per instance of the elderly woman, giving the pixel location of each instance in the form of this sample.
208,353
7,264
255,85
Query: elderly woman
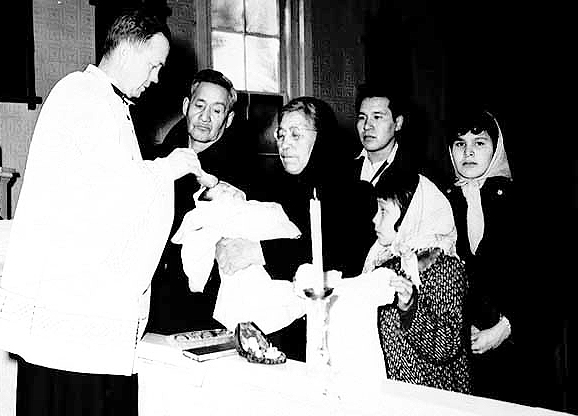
314,158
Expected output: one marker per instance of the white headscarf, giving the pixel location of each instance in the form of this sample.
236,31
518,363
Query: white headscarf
471,189
428,223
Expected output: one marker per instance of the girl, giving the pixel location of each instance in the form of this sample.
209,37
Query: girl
483,204
422,331
411,270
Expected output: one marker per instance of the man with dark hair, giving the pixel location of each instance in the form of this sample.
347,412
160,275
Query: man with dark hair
208,112
89,229
380,117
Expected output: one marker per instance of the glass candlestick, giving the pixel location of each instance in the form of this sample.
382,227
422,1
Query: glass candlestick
317,357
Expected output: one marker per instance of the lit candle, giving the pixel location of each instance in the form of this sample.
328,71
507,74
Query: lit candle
316,245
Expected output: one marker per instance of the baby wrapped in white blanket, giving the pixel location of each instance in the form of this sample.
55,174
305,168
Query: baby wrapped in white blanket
249,294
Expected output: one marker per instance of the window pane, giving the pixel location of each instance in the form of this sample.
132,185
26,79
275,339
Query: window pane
227,14
228,56
262,17
262,64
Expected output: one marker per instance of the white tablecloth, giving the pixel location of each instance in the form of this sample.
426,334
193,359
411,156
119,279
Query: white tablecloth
171,384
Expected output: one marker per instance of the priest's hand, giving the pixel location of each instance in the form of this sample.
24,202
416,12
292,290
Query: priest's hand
234,254
182,161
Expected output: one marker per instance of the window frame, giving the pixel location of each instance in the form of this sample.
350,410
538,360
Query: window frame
295,63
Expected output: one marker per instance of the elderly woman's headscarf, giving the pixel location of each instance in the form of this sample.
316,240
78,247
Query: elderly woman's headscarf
427,223
470,187
329,155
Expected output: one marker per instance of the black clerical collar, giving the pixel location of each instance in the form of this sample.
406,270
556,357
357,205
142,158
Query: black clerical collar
122,95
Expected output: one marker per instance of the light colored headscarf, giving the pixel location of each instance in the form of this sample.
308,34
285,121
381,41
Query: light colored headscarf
428,223
471,189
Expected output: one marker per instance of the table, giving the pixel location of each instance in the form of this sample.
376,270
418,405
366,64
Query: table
171,384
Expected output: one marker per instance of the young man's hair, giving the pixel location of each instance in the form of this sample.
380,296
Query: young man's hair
369,90
134,26
218,78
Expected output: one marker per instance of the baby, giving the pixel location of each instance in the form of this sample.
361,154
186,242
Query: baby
222,191
222,211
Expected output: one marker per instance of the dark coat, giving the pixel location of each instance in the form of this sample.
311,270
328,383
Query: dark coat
498,279
347,209
403,163
492,270
174,308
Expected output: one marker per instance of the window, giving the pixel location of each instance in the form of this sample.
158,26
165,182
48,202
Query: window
264,46
245,42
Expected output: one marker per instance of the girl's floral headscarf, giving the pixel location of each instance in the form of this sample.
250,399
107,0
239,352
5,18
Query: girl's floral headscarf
427,223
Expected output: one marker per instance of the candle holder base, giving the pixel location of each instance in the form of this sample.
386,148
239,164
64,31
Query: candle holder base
314,294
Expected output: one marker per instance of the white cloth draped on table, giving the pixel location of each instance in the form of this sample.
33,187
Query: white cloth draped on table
352,334
353,338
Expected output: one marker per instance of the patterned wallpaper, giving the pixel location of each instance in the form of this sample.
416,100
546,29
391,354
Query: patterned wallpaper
181,64
182,20
64,42
338,58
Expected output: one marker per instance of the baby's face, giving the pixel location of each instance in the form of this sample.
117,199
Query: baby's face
222,192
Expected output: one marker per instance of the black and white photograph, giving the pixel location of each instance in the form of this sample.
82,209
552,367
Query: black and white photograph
286,208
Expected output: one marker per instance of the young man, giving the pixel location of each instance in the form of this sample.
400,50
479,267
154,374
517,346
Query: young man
379,123
208,113
89,229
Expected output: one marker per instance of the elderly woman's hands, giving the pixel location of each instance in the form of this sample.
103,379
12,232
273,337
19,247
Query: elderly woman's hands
405,289
234,254
489,339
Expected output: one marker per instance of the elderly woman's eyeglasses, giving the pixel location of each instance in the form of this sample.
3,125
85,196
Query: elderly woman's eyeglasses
296,133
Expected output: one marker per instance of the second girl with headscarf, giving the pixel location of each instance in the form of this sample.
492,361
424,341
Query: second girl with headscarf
484,204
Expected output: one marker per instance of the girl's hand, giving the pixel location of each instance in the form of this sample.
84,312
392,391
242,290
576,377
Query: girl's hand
489,339
404,288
